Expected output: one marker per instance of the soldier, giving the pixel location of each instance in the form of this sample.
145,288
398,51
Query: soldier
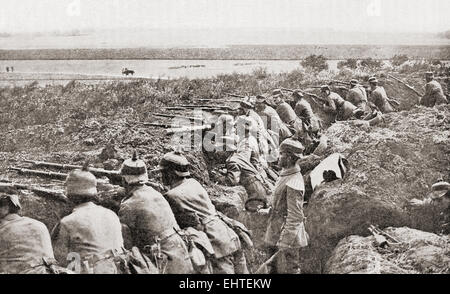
357,95
286,233
91,234
275,126
434,95
267,147
150,222
304,111
439,202
193,208
343,110
25,244
7,69
378,98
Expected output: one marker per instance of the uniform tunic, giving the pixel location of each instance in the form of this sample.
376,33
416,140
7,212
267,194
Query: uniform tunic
275,124
337,105
24,242
358,97
286,227
304,111
92,232
189,197
148,215
434,95
380,99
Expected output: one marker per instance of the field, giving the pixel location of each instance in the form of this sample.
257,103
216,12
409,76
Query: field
237,52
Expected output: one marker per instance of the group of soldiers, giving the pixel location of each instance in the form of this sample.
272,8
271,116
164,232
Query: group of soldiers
181,231
9,69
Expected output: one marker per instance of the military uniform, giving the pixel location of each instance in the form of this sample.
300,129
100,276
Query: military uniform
94,233
380,99
275,124
343,110
358,97
434,95
286,229
190,198
151,222
304,111
24,244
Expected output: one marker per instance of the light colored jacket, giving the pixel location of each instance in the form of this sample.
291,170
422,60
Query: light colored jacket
304,111
190,198
149,216
358,97
91,231
24,242
434,95
380,99
286,228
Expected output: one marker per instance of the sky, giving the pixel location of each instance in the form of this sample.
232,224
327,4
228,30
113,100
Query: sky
420,16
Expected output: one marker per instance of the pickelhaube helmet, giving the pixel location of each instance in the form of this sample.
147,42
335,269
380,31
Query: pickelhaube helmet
373,80
134,170
81,183
9,192
177,162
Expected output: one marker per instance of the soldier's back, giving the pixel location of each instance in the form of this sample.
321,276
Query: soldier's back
92,230
23,244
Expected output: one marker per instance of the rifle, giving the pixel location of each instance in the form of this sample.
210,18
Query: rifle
39,173
340,82
234,95
98,172
179,116
383,233
160,125
312,95
406,85
212,109
224,107
54,195
217,100
188,129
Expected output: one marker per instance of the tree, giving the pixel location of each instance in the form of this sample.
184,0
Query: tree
349,63
316,63
370,63
398,60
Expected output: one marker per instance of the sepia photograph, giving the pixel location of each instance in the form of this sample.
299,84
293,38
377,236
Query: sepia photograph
241,139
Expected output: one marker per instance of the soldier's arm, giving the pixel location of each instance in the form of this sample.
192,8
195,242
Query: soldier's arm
331,107
294,218
61,242
233,177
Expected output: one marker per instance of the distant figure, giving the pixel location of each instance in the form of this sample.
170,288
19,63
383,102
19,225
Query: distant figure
434,94
127,72
12,68
7,69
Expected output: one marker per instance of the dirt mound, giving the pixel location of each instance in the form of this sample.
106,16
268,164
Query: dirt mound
390,164
418,253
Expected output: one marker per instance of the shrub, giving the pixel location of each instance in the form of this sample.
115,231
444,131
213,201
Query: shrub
370,63
349,63
315,63
398,60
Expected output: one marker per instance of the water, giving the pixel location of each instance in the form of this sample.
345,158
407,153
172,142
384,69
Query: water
152,68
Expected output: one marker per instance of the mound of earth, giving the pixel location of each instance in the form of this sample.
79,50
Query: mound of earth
417,253
389,164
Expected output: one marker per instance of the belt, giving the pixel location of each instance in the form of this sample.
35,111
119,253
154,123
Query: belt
209,219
